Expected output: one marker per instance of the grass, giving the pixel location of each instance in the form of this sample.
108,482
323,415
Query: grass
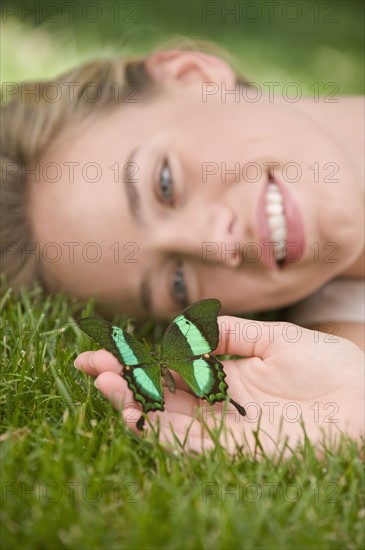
73,476
324,43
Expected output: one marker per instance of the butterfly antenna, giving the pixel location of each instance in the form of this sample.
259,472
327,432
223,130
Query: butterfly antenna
239,407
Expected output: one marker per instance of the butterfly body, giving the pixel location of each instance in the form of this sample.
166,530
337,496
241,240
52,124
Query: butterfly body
185,349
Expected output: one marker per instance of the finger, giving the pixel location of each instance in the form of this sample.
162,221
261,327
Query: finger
181,403
251,338
81,363
171,422
191,433
176,431
178,417
94,363
115,388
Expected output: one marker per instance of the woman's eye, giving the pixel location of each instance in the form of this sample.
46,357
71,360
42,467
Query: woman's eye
166,185
179,289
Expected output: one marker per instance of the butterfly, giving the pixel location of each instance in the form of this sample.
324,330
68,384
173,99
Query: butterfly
185,348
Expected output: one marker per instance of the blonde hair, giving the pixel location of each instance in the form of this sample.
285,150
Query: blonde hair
32,120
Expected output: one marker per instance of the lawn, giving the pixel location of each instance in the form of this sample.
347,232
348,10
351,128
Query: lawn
73,476
311,43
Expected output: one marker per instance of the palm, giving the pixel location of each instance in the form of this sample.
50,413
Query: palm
281,383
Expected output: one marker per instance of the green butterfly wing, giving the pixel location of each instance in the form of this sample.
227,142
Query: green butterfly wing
142,373
205,375
194,332
145,383
186,348
124,346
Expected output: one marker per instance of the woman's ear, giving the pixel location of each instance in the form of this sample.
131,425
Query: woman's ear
177,67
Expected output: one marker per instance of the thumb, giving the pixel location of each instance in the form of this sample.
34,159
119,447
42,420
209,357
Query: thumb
251,338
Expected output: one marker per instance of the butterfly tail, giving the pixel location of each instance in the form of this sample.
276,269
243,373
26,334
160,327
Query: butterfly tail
140,423
239,407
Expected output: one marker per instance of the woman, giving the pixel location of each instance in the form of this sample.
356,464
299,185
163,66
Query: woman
148,184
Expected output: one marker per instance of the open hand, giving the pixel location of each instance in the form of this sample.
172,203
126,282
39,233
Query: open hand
289,375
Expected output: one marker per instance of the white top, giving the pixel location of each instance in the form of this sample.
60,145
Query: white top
341,300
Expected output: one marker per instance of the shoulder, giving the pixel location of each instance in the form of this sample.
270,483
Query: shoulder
337,308
339,300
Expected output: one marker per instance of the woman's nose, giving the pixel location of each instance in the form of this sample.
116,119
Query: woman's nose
208,233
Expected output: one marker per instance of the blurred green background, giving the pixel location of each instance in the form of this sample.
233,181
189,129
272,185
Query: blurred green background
303,41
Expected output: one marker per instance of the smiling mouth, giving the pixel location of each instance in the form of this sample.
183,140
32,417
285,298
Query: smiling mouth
279,225
276,220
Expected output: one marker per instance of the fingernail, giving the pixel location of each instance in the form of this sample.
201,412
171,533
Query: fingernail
75,364
96,384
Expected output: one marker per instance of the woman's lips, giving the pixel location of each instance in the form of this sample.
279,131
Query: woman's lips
295,240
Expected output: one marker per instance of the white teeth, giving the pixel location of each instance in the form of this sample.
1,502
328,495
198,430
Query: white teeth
274,196
279,234
274,208
276,220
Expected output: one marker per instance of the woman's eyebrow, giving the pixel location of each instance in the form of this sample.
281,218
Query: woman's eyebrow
133,197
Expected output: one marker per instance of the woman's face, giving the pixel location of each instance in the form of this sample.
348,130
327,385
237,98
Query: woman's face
177,209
